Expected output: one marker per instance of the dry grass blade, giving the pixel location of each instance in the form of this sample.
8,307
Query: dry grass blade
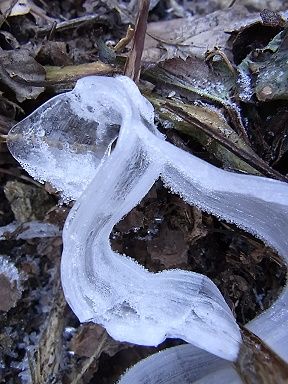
255,162
133,63
125,40
71,73
19,176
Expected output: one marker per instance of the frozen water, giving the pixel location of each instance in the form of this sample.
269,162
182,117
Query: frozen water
245,84
111,289
8,269
56,144
183,364
65,140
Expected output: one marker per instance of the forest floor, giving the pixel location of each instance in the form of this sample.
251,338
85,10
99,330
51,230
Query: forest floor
44,47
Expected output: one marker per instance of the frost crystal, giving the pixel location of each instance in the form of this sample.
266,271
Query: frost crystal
68,142
9,270
10,284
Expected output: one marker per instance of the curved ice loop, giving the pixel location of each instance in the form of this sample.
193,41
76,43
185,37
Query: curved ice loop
185,364
110,289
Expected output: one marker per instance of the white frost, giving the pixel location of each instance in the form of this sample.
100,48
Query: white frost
8,269
111,289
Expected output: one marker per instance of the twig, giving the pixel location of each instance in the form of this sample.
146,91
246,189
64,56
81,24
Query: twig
125,40
70,73
133,64
22,177
232,3
217,52
69,24
257,363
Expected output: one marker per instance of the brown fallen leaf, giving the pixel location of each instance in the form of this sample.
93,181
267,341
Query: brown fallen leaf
89,343
28,202
216,123
8,293
10,287
54,52
71,73
88,337
195,35
20,72
134,219
169,248
252,159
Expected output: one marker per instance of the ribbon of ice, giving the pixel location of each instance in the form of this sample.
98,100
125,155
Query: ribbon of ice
68,142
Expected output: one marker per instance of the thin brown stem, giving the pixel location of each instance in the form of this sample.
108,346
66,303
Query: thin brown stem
133,64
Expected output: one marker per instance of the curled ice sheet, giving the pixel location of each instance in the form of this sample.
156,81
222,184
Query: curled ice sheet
183,364
107,288
272,325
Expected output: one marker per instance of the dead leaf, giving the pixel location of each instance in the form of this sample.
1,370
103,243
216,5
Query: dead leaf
21,73
20,8
217,123
9,293
194,36
27,201
89,343
199,229
88,337
71,73
54,53
273,5
169,248
10,40
133,220
263,71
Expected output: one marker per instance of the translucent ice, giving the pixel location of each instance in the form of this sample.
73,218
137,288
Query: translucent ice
50,145
111,289
183,364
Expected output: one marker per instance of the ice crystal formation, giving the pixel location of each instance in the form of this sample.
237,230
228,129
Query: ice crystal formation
68,141
10,283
